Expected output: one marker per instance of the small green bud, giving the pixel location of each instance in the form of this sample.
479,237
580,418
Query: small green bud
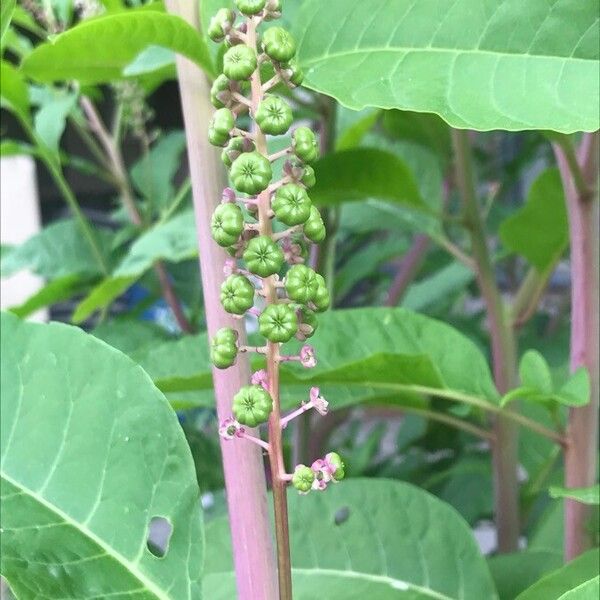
233,149
314,228
252,405
237,294
321,299
303,478
223,348
227,224
293,73
274,116
220,92
239,62
278,323
335,460
291,204
251,173
220,24
307,321
250,7
279,44
220,125
304,143
301,283
308,177
263,256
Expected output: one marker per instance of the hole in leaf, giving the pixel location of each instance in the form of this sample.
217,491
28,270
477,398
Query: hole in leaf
159,535
341,515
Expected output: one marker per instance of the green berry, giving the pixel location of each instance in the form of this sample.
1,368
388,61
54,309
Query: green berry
307,321
278,323
237,294
274,116
293,73
220,24
305,146
308,177
227,224
301,283
239,62
334,459
321,299
223,348
291,204
252,405
250,7
303,478
263,256
220,92
251,173
220,125
314,228
279,44
234,148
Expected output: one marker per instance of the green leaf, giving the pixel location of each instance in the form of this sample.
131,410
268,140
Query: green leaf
109,456
513,573
58,290
173,241
102,295
368,538
6,12
148,60
13,93
128,335
577,389
539,230
364,173
51,119
534,372
152,175
588,590
559,583
353,126
499,64
56,251
117,41
589,495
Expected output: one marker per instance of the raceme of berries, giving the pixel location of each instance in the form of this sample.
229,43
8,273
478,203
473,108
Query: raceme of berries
266,278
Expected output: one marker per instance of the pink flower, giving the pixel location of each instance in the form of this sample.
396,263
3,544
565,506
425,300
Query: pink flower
230,429
307,357
260,378
322,471
228,195
318,402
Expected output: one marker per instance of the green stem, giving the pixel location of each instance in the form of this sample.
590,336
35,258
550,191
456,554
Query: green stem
505,451
55,170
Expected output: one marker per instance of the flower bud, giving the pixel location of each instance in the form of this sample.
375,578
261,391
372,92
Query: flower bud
303,478
220,24
251,173
227,224
223,349
291,204
239,62
279,44
274,116
252,405
250,7
263,256
304,144
237,294
278,323
301,283
314,228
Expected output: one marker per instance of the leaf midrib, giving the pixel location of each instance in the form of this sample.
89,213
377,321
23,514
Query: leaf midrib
149,585
429,49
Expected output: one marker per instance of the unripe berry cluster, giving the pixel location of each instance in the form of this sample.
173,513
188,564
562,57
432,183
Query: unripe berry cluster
255,206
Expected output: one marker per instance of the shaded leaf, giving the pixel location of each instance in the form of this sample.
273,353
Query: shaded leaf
51,119
493,65
150,59
589,495
86,522
118,39
102,295
535,372
352,126
539,230
13,93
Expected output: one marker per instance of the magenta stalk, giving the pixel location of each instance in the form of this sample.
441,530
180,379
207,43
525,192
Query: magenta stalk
245,483
579,173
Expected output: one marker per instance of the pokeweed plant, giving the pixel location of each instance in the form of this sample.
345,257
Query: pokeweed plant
244,224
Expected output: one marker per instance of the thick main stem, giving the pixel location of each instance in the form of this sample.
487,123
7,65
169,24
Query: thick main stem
580,180
278,479
505,449
243,465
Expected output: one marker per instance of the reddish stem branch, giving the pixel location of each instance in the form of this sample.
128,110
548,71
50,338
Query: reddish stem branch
243,465
579,175
411,262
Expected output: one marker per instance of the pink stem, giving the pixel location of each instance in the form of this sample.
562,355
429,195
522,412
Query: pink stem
255,440
580,185
253,554
285,420
408,269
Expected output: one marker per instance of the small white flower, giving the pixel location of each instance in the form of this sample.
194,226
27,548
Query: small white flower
230,429
260,378
307,357
318,402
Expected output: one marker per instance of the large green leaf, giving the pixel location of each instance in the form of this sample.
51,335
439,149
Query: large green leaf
13,95
369,538
588,495
108,457
539,230
365,173
367,353
97,50
494,64
57,251
6,12
559,583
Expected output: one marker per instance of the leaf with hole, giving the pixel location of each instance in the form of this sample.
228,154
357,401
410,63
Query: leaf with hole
80,528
